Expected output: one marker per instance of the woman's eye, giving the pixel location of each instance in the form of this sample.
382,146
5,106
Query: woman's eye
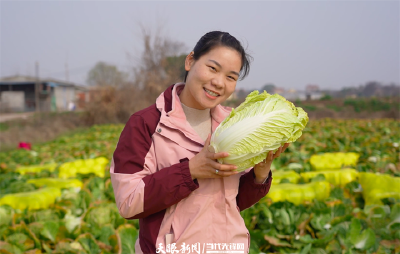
232,78
212,68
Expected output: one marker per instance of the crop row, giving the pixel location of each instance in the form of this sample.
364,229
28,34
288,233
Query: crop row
84,219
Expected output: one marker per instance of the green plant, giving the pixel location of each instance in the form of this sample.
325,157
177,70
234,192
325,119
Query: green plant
3,126
326,97
341,223
334,107
310,107
249,146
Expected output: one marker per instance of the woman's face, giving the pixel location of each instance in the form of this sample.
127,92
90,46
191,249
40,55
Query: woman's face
212,78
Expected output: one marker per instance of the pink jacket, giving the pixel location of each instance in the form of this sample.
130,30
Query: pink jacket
152,182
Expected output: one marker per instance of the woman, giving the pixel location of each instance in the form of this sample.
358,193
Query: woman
163,173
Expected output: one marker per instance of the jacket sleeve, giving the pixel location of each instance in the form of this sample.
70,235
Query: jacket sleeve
251,192
139,189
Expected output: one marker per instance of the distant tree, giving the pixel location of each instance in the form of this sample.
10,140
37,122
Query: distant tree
103,74
270,88
371,89
241,94
160,65
349,92
175,65
326,97
391,90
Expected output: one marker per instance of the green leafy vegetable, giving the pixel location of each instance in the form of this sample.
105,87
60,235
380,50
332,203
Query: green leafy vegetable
262,123
50,230
379,186
88,243
298,193
361,239
95,166
337,160
36,168
127,236
335,177
38,199
6,214
290,175
56,182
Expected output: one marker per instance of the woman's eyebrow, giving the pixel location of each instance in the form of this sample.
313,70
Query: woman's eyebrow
234,72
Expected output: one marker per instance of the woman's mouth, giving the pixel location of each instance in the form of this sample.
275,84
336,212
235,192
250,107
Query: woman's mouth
210,93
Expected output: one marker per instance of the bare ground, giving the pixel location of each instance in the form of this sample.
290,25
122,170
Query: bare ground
4,117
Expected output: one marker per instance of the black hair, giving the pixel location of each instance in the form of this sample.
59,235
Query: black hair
217,38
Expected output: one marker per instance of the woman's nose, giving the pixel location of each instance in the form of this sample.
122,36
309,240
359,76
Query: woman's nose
217,81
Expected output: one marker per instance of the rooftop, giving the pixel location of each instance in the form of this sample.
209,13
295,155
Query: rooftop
18,79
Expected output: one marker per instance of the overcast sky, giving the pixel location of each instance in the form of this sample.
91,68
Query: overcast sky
332,44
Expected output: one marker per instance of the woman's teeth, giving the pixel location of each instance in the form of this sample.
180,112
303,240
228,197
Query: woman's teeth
211,93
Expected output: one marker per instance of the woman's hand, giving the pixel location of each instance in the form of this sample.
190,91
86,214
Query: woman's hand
205,165
261,170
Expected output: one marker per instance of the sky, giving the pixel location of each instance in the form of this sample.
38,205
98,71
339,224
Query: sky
333,44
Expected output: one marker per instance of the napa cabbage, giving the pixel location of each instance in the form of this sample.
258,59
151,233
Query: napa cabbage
262,123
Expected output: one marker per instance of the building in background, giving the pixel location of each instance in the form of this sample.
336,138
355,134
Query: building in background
312,88
17,94
312,92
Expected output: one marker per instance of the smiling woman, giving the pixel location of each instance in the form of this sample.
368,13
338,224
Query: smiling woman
163,172
212,78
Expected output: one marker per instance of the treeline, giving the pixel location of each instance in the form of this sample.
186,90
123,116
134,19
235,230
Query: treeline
116,95
372,104
360,108
370,89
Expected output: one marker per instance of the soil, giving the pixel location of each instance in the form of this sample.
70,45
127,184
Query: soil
4,117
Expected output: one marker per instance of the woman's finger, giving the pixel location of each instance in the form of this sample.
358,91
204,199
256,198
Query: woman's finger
269,157
216,156
276,155
221,173
207,144
285,146
222,167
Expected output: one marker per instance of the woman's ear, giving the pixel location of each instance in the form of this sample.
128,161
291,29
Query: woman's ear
189,61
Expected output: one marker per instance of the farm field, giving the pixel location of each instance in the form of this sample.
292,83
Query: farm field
347,202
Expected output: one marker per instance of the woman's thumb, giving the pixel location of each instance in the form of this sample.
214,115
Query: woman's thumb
207,144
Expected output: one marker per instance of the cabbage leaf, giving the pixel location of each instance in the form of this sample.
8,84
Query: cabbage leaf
262,123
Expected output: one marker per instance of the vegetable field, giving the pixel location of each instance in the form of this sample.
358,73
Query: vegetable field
335,190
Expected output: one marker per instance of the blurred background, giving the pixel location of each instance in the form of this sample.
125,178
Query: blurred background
336,59
73,72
